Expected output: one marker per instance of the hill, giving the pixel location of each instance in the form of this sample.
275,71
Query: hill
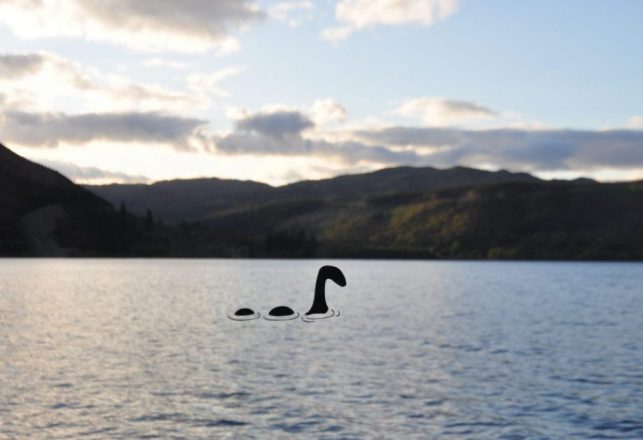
42,213
199,199
459,213
518,220
410,212
182,200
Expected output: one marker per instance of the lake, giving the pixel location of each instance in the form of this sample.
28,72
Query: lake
144,349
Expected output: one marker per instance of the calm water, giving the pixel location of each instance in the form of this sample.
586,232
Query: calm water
143,349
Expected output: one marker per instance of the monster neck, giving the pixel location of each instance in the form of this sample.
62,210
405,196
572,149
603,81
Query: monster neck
319,302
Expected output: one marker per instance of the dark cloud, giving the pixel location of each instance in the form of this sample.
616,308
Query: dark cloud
197,17
48,129
518,148
18,65
277,125
185,25
352,152
349,152
254,143
411,136
282,133
278,132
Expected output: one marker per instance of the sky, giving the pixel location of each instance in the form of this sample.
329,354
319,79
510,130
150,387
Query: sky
280,91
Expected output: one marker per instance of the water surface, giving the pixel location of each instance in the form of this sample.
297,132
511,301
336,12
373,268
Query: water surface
144,349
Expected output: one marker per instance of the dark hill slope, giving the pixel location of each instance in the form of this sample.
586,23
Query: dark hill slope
515,220
43,213
559,220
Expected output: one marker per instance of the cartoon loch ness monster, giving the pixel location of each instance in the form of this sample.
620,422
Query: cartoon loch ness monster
318,310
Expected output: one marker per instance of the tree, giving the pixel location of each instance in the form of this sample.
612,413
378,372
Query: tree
149,220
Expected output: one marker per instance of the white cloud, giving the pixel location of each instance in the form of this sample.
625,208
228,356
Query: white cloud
439,112
635,122
91,175
289,133
26,81
238,113
356,15
209,83
156,25
326,111
321,112
292,12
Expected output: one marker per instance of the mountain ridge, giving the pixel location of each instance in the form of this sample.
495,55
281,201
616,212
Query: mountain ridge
404,212
163,197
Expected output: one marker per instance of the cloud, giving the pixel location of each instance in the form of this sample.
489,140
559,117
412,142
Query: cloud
517,149
354,152
209,83
15,100
27,79
287,132
327,110
91,175
635,122
438,111
279,125
276,131
18,65
281,131
292,12
292,133
50,129
356,15
185,26
346,152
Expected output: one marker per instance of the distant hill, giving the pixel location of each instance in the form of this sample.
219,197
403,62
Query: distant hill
507,221
199,199
182,200
516,220
397,180
410,213
459,213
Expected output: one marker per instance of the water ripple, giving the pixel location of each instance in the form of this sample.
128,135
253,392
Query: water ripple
423,350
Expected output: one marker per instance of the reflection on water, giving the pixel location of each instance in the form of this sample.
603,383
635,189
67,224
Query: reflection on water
316,317
144,349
